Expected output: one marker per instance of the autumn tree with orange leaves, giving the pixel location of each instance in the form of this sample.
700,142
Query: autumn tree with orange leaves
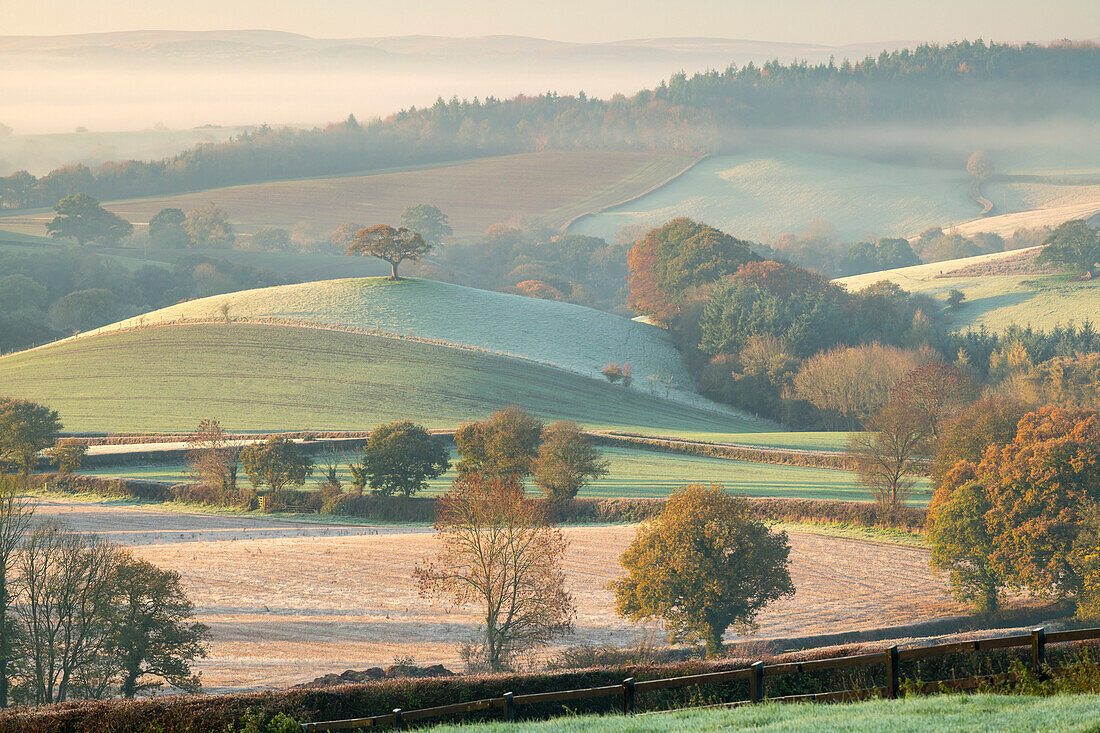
499,552
671,261
1026,504
703,565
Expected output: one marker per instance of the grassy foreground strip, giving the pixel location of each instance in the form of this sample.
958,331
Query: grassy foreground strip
972,713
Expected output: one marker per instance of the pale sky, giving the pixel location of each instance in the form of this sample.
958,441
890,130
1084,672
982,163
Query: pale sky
831,22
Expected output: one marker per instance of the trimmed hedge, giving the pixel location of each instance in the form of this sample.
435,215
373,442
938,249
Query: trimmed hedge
786,457
218,713
422,509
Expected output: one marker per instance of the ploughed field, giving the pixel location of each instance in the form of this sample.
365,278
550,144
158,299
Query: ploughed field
637,473
267,378
289,601
547,188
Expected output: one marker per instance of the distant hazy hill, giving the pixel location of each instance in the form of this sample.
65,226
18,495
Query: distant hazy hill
136,79
271,45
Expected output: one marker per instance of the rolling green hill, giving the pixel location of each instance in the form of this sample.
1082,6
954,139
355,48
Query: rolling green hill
558,334
268,377
766,193
996,301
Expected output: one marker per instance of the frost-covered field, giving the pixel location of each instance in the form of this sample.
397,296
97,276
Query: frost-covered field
289,601
764,194
571,337
997,301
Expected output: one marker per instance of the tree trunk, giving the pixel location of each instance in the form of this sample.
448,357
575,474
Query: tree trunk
393,270
129,683
714,642
5,642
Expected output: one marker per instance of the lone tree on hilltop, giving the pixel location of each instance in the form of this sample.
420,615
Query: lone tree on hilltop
80,217
26,428
499,552
390,244
400,457
1073,244
703,565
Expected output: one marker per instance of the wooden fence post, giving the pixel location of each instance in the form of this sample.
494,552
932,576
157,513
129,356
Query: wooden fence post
756,682
510,707
892,684
628,696
397,721
1038,649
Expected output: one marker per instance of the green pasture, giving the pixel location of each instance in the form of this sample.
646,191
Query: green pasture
997,301
269,378
632,474
765,193
558,334
982,713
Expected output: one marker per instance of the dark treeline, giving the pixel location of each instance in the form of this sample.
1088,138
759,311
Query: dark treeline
959,82
45,296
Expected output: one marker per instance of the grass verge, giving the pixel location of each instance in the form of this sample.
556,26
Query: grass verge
937,714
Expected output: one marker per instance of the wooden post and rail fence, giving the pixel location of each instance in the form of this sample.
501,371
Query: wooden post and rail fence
755,674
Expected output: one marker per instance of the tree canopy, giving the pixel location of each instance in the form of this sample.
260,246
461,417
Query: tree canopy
80,217
389,244
505,445
400,457
26,429
703,565
427,221
1073,244
673,259
566,462
276,463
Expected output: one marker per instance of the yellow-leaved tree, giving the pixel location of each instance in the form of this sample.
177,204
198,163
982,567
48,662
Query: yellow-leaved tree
703,565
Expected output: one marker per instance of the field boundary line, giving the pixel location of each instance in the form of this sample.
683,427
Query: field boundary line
595,212
756,675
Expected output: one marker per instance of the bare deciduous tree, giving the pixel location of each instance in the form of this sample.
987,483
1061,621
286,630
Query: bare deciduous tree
68,591
15,518
214,459
854,382
886,454
499,552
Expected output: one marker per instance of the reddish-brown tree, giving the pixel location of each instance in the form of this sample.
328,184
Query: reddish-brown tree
389,244
934,391
499,552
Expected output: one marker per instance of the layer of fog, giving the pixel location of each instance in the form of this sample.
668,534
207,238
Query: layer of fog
133,81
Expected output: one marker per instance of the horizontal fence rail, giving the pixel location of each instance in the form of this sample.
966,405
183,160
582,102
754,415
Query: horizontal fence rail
755,674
